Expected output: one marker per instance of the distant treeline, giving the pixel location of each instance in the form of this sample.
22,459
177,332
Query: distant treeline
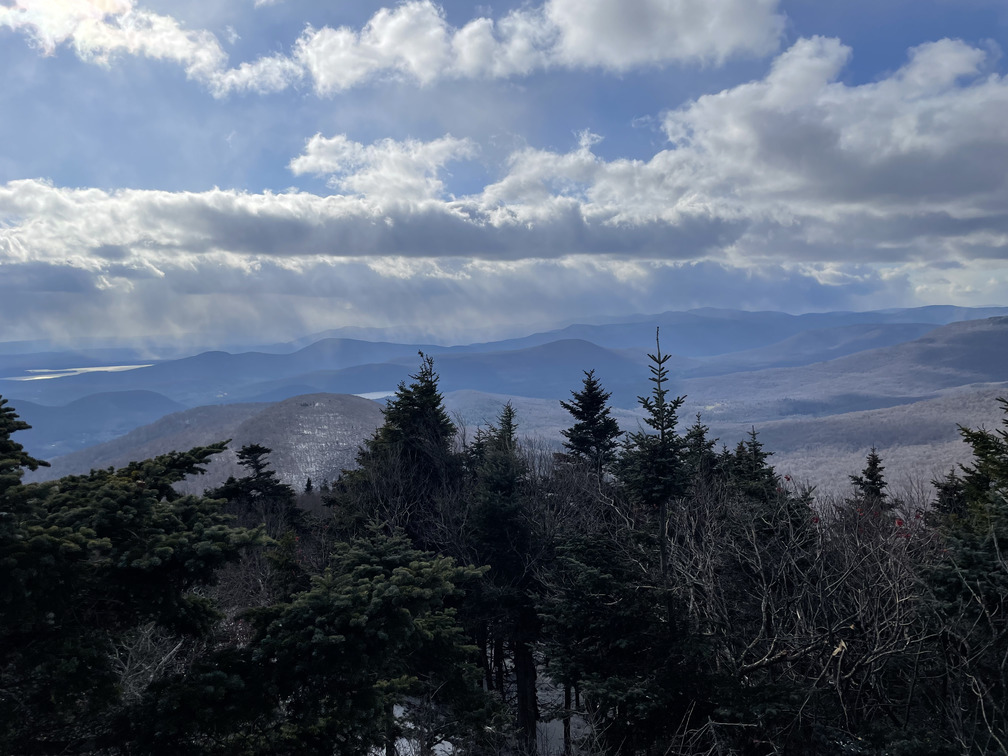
646,593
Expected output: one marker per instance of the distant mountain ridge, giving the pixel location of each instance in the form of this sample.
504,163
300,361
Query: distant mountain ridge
735,367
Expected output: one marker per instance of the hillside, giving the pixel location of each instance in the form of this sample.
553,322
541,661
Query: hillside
312,436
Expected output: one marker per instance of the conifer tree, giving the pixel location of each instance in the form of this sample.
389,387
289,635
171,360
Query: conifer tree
504,541
753,476
870,486
13,458
651,464
87,561
594,435
970,589
370,653
406,466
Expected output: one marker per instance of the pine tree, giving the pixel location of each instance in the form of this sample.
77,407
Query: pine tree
594,435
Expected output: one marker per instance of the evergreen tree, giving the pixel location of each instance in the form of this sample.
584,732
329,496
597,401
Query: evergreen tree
651,464
87,562
259,496
503,540
593,437
870,486
370,653
752,476
405,469
13,458
970,595
699,457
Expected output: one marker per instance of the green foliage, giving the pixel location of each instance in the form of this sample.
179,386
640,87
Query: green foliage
608,635
970,592
260,497
502,538
750,473
593,437
651,462
13,458
86,560
369,653
406,467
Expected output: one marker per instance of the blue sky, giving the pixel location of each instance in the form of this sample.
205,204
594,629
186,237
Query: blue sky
256,170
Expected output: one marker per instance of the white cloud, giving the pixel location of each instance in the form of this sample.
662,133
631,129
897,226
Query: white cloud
413,40
100,29
621,35
384,171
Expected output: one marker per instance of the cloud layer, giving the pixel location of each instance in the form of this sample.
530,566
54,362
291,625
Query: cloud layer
414,40
798,186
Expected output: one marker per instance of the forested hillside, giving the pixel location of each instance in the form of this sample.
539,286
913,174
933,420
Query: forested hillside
456,590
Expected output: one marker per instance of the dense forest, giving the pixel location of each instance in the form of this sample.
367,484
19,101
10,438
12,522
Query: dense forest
465,591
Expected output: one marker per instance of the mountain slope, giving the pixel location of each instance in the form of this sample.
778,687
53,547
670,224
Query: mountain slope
311,436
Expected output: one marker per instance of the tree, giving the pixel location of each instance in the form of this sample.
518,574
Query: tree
593,437
370,653
259,496
970,594
503,540
651,465
406,466
13,458
752,476
87,561
870,486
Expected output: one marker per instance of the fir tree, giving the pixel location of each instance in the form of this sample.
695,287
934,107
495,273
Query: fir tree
594,435
405,468
88,561
13,458
870,486
651,464
970,593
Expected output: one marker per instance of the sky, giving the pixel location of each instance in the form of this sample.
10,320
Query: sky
264,169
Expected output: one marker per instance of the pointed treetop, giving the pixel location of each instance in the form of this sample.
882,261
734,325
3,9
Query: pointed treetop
595,432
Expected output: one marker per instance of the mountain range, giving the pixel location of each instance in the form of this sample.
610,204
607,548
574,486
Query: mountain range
804,381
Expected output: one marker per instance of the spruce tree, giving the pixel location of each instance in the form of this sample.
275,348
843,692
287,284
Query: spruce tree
13,458
87,562
651,463
870,486
970,593
406,467
594,435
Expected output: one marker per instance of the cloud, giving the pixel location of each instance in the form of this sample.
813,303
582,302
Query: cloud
386,170
99,29
793,187
621,36
798,149
413,40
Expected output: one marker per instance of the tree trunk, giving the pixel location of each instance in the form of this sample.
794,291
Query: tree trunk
567,720
525,681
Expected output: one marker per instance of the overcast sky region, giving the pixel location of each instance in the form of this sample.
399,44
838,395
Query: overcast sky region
264,169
